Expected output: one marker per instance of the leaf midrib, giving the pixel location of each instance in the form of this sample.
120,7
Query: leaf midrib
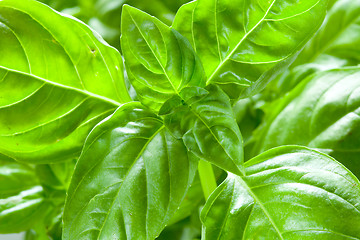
213,134
84,92
126,175
152,51
257,200
240,42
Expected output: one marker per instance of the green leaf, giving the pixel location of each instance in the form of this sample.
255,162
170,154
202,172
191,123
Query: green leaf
187,229
251,36
335,45
204,119
159,61
287,193
339,36
130,179
182,18
323,112
22,202
50,69
290,78
55,176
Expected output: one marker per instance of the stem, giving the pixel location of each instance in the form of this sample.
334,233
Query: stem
41,232
207,178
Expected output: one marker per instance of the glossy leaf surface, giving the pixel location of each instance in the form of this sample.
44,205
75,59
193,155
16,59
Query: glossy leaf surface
50,95
22,199
335,45
205,121
322,112
339,36
159,61
239,41
287,193
130,179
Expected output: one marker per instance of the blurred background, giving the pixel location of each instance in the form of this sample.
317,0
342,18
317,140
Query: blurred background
104,15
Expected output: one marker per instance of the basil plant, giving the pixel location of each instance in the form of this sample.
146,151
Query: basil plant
237,120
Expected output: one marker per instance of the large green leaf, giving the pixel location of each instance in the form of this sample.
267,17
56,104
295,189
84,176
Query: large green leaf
335,45
240,41
22,199
339,36
287,193
130,179
57,80
322,112
204,119
159,61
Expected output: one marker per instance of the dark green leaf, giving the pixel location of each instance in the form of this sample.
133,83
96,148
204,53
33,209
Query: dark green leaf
287,193
159,61
205,121
130,179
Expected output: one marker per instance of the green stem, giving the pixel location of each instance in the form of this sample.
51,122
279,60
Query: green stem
41,233
207,178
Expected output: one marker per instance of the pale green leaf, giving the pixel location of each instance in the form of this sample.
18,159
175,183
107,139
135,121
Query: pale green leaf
339,36
57,78
322,112
22,199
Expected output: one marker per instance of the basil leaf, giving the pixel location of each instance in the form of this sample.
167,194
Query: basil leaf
287,193
182,18
159,61
290,78
49,79
55,176
253,36
22,199
339,35
322,112
130,179
335,45
204,119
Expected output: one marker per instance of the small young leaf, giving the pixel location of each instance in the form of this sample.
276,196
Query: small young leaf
287,193
159,61
204,119
130,179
